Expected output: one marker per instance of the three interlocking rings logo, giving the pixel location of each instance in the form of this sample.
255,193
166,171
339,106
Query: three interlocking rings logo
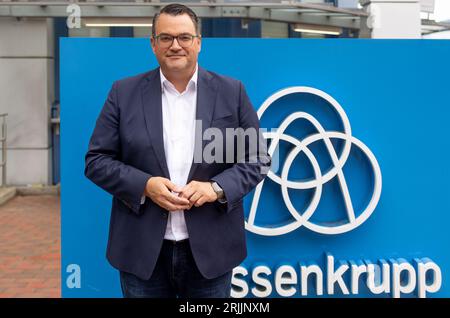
303,219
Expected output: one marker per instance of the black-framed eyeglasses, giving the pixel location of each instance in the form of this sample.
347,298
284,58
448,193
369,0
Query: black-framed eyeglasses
185,40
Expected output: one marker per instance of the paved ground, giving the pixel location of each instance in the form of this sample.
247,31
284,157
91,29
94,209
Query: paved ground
30,247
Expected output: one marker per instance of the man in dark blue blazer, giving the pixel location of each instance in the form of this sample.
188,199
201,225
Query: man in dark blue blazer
177,224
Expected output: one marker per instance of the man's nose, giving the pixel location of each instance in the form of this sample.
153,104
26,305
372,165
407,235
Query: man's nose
175,45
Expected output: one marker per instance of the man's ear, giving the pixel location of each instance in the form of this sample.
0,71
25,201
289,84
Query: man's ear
199,43
152,43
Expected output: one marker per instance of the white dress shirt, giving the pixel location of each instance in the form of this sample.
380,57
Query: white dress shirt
178,112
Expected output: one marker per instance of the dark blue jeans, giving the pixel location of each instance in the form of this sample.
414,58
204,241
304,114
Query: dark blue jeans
176,275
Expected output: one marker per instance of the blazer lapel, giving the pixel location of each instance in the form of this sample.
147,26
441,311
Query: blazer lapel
206,102
152,107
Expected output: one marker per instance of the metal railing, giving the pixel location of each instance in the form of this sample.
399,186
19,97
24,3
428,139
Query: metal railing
3,141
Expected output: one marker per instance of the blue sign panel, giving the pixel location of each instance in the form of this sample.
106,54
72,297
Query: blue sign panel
356,202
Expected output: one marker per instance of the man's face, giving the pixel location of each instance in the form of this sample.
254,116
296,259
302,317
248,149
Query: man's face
175,58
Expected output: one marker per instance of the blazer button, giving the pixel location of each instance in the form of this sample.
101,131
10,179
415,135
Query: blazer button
164,215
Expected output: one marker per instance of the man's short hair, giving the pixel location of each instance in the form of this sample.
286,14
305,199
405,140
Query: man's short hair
174,10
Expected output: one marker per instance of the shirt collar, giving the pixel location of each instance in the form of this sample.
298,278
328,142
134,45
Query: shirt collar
165,81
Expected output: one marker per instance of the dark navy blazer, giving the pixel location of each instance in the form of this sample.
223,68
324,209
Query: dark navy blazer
127,148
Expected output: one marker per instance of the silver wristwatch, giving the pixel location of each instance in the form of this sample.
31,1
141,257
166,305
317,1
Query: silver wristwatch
218,190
